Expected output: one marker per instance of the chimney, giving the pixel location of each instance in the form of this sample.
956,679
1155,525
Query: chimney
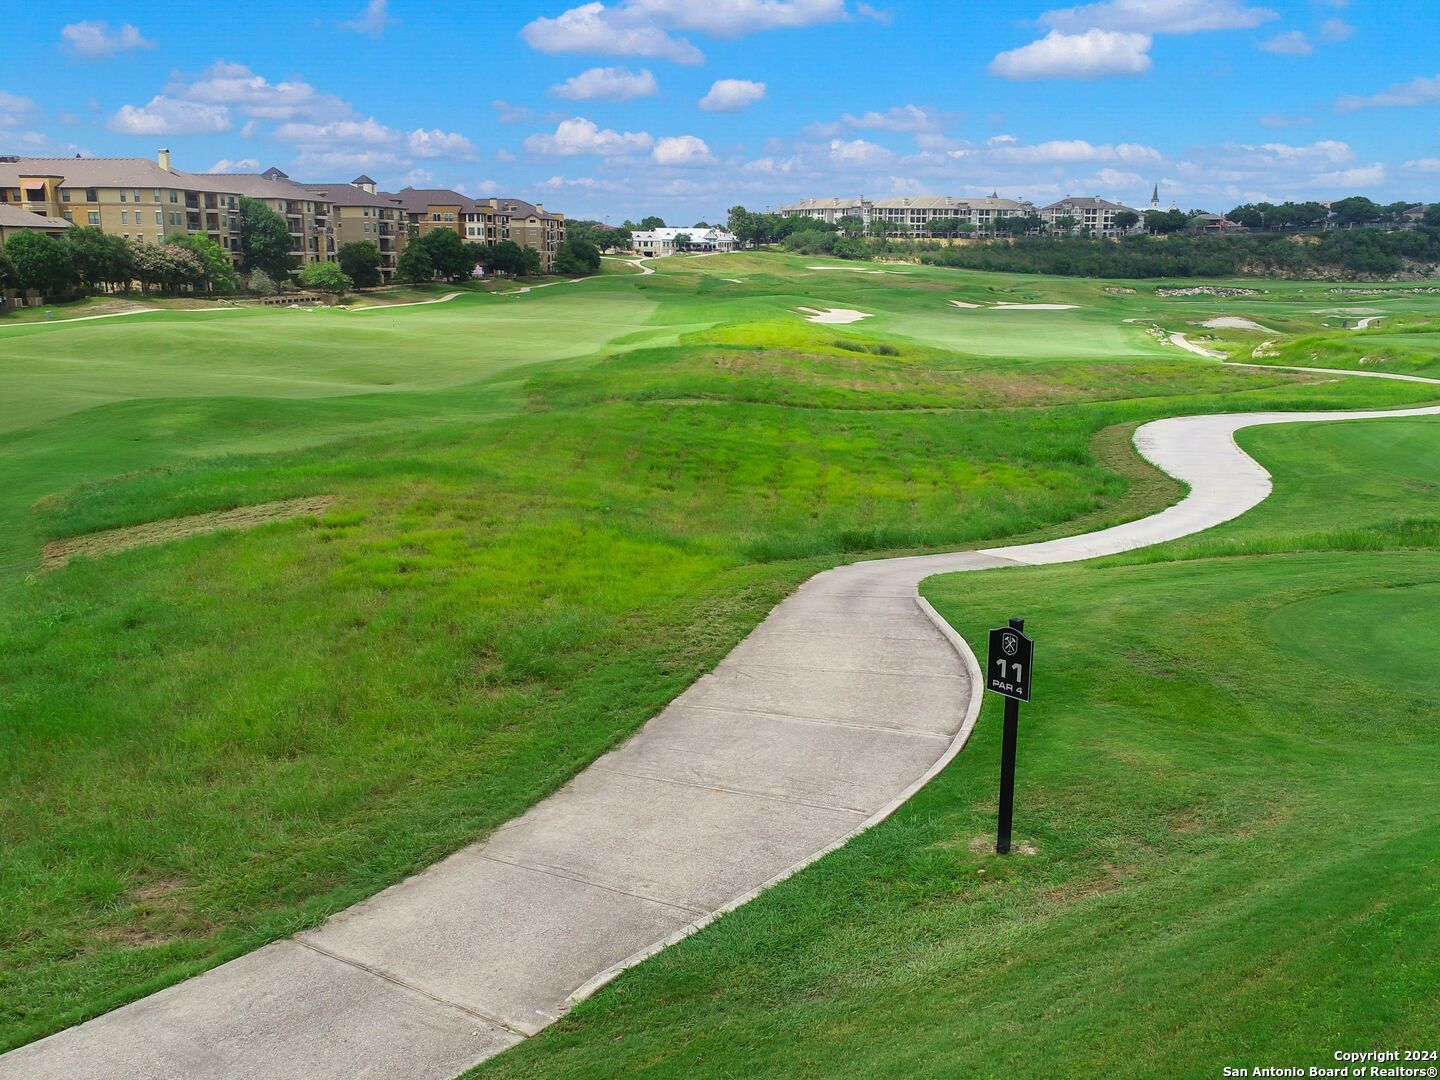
540,206
164,158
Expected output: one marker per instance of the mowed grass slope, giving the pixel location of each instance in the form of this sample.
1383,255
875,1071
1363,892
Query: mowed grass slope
1226,786
553,512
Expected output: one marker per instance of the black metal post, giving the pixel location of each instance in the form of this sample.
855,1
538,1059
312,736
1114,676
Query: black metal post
1007,766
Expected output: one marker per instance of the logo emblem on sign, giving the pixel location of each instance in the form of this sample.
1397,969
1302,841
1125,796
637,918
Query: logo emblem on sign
1011,644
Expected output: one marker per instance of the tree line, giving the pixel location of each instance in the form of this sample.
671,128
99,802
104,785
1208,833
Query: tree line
85,259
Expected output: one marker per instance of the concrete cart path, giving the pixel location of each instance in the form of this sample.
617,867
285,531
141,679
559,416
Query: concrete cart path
833,712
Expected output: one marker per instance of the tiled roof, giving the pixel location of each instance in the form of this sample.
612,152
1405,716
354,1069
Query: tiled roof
418,200
110,172
349,195
257,186
12,217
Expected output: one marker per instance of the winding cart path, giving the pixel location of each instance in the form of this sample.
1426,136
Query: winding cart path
835,710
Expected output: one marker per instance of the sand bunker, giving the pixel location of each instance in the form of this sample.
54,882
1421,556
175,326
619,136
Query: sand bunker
833,316
59,552
962,303
1235,322
1036,307
854,269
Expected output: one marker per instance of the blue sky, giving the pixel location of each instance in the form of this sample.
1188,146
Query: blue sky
619,108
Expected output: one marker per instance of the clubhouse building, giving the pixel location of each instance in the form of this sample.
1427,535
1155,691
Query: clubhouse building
655,243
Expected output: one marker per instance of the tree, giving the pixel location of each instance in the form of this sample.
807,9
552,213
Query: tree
1126,220
1066,223
100,259
264,239
1432,216
9,279
652,222
415,264
529,262
1356,210
326,277
853,225
506,257
260,283
361,262
1166,221
169,267
219,270
682,241
41,262
576,258
449,256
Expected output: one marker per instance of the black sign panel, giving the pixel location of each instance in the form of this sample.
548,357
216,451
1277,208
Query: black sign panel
1008,668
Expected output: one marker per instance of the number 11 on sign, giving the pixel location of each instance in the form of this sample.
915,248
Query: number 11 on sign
1008,673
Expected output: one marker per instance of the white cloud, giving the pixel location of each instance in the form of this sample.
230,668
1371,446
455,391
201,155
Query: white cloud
509,114
1158,16
581,136
235,85
418,178
681,150
435,143
1095,54
1290,43
1421,91
94,40
642,27
858,153
594,28
770,166
1335,30
1363,176
343,140
16,110
735,18
1065,151
1425,165
248,164
168,116
909,118
372,21
732,95
608,83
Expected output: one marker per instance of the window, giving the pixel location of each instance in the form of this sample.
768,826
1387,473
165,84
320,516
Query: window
69,215
94,217
159,215
122,194
65,194
137,194
91,195
124,214
174,196
157,194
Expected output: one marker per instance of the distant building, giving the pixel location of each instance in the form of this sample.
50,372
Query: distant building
913,213
656,243
359,214
306,213
1092,214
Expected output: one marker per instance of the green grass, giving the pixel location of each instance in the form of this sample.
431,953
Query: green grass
1223,777
553,512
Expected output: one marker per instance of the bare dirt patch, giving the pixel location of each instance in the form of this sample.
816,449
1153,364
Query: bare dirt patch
59,552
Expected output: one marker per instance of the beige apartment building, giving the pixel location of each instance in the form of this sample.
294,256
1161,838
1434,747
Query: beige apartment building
145,201
914,214
482,221
13,220
136,198
306,213
359,214
1092,214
